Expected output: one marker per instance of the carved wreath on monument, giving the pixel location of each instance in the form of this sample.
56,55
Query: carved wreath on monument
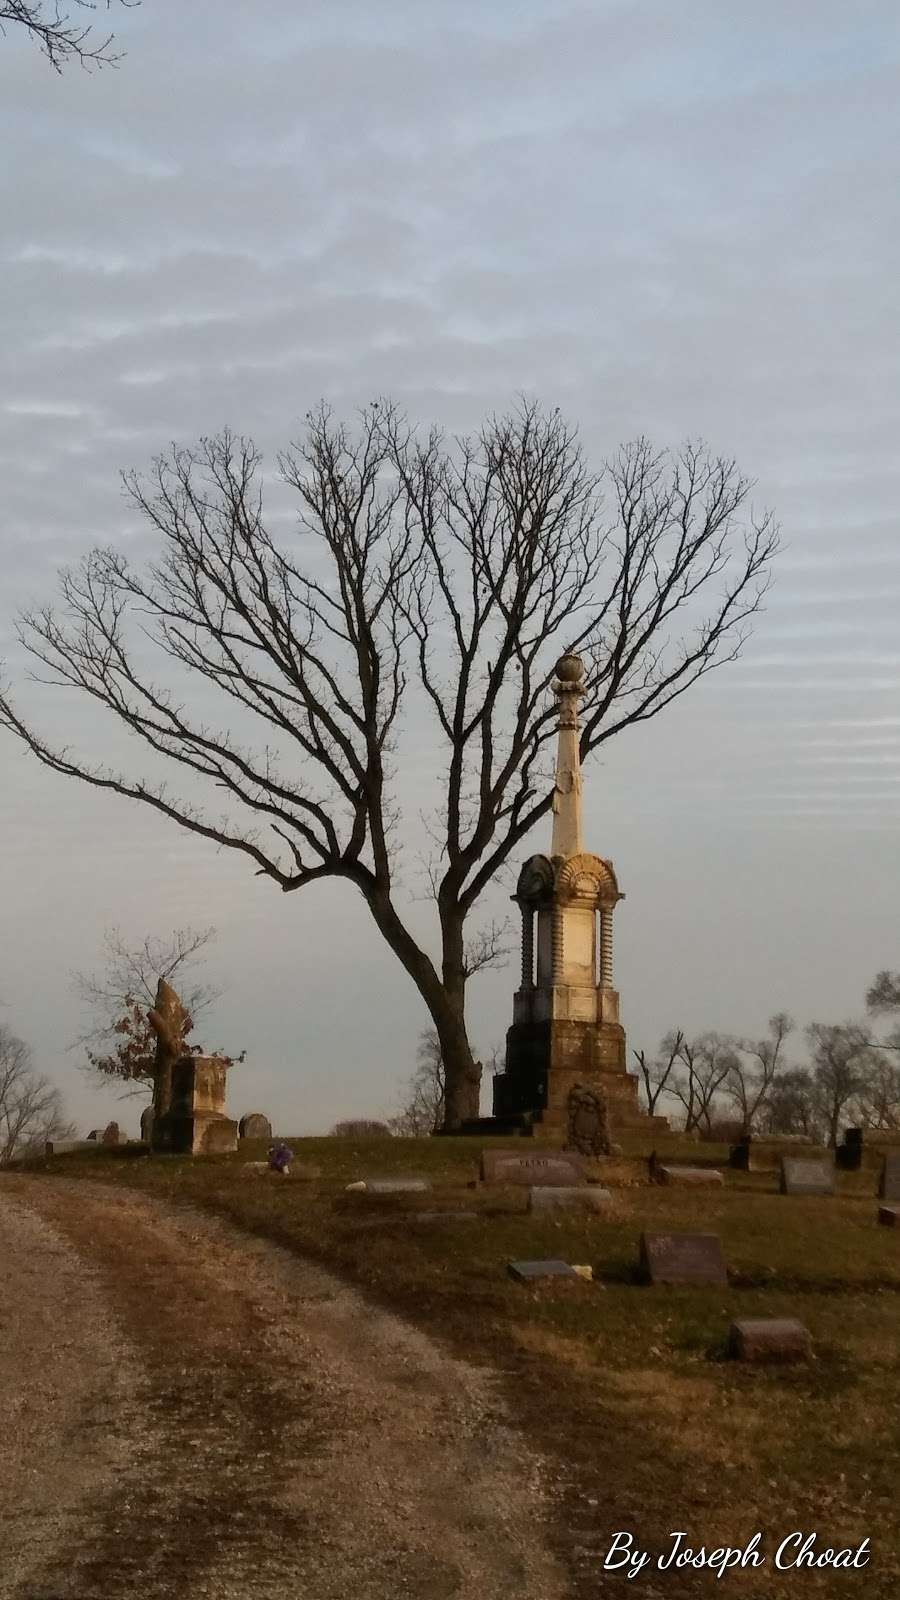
588,1122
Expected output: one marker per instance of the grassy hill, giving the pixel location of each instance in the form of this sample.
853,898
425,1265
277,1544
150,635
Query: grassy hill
626,1386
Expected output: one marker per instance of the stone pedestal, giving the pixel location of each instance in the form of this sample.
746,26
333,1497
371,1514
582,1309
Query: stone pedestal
196,1123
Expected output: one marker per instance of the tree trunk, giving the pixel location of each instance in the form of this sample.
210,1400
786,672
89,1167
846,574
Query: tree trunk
446,1002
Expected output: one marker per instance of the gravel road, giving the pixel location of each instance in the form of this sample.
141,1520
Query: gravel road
186,1409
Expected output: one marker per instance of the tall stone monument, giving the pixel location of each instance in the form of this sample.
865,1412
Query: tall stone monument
188,1109
566,1037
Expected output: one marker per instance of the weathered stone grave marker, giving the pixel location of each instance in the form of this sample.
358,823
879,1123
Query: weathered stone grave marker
558,1169
889,1216
254,1126
690,1177
889,1187
389,1186
587,1197
443,1216
806,1177
682,1258
147,1116
769,1339
532,1271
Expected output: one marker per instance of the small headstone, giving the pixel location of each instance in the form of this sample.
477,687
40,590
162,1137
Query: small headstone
682,1258
254,1126
694,1177
769,1339
61,1147
95,1135
111,1134
889,1187
147,1116
557,1168
390,1186
800,1176
889,1216
531,1271
587,1197
849,1155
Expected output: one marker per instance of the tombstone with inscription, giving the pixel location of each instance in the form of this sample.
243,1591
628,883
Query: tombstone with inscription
559,1168
889,1187
807,1177
589,1197
682,1258
147,1116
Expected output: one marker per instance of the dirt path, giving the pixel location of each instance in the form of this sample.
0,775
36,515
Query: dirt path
186,1409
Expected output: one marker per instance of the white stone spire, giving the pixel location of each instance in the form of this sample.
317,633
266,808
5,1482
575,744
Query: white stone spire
569,689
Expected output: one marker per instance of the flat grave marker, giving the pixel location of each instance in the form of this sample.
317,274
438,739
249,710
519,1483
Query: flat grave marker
769,1339
683,1258
389,1186
533,1271
690,1177
800,1176
558,1169
889,1187
889,1216
586,1197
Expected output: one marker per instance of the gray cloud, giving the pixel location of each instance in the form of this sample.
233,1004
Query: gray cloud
677,222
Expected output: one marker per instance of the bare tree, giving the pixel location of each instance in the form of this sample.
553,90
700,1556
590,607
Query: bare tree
656,1074
707,1061
120,1042
423,1111
361,1128
790,1106
31,1107
884,993
61,37
842,1064
467,568
755,1068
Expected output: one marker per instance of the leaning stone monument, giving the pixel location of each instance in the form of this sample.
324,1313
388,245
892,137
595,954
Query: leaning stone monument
565,1051
189,1089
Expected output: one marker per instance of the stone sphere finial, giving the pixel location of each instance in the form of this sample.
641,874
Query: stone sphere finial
570,670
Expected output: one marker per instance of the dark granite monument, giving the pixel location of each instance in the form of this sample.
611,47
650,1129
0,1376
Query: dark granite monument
889,1186
679,1258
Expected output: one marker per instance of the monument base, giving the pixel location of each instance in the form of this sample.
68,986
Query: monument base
546,1060
205,1133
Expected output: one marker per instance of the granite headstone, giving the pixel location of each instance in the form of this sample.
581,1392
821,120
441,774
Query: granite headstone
800,1176
682,1258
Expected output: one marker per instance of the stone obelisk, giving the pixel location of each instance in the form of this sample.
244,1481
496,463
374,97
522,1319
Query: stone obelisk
566,1034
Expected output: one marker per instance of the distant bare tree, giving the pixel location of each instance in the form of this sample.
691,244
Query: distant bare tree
706,1062
120,1042
656,1074
31,1107
423,1111
884,992
791,1105
756,1065
469,568
61,38
360,1128
842,1062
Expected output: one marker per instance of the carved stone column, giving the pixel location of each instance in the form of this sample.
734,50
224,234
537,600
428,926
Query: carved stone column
527,946
606,947
558,969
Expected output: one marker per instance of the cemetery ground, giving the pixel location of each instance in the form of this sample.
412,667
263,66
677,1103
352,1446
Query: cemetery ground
624,1390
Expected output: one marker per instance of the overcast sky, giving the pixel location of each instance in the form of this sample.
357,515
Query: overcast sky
670,219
